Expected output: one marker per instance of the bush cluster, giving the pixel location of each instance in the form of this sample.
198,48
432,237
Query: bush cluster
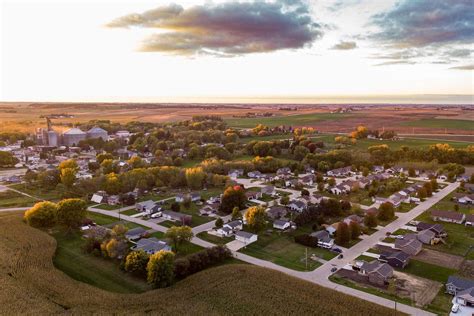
199,261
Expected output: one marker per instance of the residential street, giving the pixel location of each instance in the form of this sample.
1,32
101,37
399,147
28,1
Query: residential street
320,275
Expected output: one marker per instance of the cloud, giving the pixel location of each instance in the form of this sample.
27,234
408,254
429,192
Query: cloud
426,22
345,45
226,29
396,62
465,67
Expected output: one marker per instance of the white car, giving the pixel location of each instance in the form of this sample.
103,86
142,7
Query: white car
455,308
156,215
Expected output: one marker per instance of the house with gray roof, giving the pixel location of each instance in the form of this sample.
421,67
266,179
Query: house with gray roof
281,224
245,237
457,284
377,272
411,246
324,239
135,233
151,245
397,259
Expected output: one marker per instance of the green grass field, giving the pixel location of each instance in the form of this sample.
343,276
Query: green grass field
295,120
442,124
282,250
428,271
214,239
97,271
14,199
49,195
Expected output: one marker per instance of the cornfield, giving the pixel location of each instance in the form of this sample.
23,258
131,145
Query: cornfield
30,284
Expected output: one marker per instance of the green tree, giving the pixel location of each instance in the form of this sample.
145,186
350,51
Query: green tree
255,217
68,164
370,220
114,248
42,214
71,212
343,234
386,211
434,185
136,262
422,194
219,223
232,197
178,235
112,184
332,181
355,230
236,213
284,200
102,157
119,231
7,159
160,269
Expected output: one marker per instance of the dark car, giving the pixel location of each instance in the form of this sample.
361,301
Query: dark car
338,250
340,256
333,269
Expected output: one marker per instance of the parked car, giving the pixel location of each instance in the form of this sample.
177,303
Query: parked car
340,256
334,269
156,215
455,308
338,250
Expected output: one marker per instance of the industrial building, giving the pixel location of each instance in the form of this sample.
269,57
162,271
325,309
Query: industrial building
73,136
97,132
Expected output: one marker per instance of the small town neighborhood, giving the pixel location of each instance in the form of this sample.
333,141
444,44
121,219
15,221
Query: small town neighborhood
394,235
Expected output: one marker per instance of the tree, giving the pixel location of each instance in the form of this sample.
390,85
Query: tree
300,152
332,181
112,183
119,231
114,248
160,269
320,186
236,213
136,262
355,230
195,177
71,212
102,157
7,159
42,214
68,164
428,188
232,197
178,235
285,200
219,223
370,220
411,172
255,217
175,207
386,211
343,234
434,185
68,176
422,194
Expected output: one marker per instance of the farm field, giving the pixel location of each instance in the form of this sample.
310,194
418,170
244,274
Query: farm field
294,119
26,254
442,124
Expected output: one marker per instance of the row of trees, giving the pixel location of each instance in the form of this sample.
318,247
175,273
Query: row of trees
69,213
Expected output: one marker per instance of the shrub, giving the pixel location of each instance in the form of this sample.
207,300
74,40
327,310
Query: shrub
42,214
306,240
200,260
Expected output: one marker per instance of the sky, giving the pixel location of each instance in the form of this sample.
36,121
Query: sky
205,51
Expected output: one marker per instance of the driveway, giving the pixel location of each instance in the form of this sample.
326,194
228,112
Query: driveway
235,245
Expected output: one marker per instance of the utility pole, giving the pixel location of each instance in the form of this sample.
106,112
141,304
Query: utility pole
306,256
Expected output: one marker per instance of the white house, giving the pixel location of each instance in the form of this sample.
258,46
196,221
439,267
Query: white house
97,198
297,205
281,224
245,237
324,239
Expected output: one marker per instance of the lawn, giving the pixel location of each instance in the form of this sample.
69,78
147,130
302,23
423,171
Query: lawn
296,120
107,207
14,199
282,250
441,304
130,212
460,237
97,271
442,124
428,271
365,258
110,221
214,239
48,195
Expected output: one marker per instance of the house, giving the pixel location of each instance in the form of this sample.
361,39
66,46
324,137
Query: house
235,173
225,231
318,197
455,284
151,245
253,195
293,183
234,225
276,212
411,246
209,209
175,216
463,198
135,233
398,259
331,229
340,172
99,197
113,200
466,299
448,216
379,200
469,187
267,177
245,237
438,229
298,205
254,174
308,179
284,171
426,236
195,196
324,239
469,220
353,218
378,169
180,198
281,224
377,272
145,206
268,190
